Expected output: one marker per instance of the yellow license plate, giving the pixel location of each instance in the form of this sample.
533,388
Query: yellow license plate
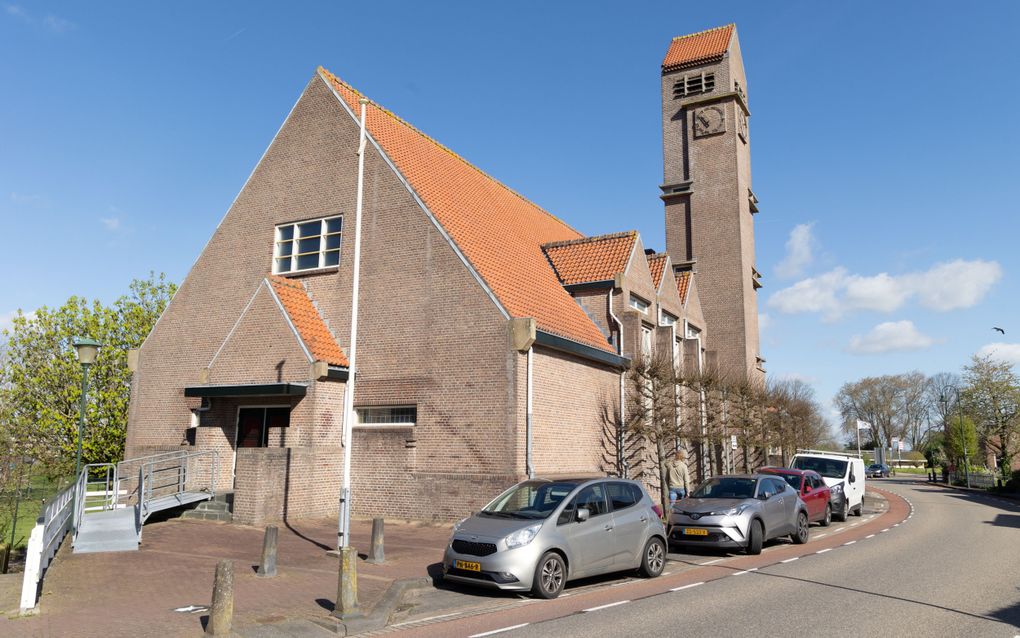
469,566
694,531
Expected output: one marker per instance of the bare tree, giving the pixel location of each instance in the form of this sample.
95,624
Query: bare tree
652,413
875,400
914,406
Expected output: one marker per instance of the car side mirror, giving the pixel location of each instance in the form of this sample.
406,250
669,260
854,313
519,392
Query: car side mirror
764,496
583,513
853,478
807,489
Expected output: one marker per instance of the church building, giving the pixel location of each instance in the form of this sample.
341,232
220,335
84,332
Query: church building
494,339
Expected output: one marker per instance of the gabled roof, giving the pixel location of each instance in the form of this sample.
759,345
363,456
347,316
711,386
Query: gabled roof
697,48
683,284
307,321
656,265
591,259
499,232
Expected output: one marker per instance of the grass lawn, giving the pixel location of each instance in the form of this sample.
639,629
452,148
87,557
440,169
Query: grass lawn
40,488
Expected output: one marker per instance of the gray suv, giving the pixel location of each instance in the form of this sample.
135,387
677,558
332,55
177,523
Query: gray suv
541,533
739,511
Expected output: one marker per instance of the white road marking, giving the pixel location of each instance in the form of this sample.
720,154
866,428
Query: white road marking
418,620
498,631
849,543
747,571
790,560
665,573
619,602
870,536
712,562
896,525
885,530
822,551
687,586
819,535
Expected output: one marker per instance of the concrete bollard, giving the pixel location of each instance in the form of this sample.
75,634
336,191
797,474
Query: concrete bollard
376,555
267,566
347,585
221,613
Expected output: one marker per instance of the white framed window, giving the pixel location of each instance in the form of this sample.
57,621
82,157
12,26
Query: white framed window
402,416
637,303
646,341
666,319
692,331
307,245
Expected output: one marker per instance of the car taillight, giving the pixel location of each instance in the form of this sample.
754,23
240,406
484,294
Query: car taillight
657,510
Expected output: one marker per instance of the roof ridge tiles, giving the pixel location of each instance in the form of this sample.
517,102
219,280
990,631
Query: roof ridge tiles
704,31
593,238
332,76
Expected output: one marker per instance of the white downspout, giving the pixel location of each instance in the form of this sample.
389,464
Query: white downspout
619,351
345,492
528,461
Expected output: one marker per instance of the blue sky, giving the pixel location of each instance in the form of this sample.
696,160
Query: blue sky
883,144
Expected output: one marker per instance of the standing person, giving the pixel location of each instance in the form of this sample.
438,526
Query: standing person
679,477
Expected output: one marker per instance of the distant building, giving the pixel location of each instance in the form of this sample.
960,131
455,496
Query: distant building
485,322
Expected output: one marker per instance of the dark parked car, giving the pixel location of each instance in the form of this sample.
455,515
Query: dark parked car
813,491
877,470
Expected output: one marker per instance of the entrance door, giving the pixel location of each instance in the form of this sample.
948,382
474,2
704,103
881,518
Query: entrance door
251,427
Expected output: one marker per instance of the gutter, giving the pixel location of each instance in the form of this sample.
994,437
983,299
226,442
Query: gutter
581,350
622,460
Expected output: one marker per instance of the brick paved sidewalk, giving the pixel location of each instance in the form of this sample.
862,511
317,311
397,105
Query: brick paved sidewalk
134,593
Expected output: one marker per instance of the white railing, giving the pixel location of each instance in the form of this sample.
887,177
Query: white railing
165,477
50,529
90,499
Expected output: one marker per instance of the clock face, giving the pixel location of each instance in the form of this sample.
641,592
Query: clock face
708,121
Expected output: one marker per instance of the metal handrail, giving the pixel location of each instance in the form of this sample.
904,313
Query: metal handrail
149,489
111,491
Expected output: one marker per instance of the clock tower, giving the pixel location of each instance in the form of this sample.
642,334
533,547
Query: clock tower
706,189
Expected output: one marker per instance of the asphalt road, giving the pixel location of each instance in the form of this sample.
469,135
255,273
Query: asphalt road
951,569
936,562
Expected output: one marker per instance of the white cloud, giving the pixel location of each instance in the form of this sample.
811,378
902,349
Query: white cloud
764,321
58,25
943,287
7,318
1005,352
112,224
18,12
799,252
891,336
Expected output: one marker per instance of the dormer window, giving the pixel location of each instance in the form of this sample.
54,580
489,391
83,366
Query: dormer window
693,84
639,304
666,319
307,245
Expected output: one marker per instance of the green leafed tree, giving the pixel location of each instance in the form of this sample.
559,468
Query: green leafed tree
991,395
40,377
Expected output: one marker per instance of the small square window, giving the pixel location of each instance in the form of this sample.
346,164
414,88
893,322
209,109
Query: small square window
637,303
667,319
391,416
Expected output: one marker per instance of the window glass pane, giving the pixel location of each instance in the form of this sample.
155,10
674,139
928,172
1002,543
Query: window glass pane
308,245
277,417
593,497
283,265
334,225
304,262
283,249
287,232
309,229
333,258
332,241
621,496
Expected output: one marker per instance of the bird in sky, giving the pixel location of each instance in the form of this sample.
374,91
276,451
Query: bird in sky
999,329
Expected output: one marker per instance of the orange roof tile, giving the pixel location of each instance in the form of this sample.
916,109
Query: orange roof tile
499,232
591,258
307,321
683,284
656,264
697,48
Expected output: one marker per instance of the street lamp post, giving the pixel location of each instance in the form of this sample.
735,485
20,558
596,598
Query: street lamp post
87,349
944,399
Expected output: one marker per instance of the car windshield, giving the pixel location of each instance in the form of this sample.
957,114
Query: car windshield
874,466
725,487
792,479
831,468
531,499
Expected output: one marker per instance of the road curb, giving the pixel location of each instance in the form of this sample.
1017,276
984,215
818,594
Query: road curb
977,490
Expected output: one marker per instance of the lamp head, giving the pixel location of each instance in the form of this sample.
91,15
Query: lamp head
87,350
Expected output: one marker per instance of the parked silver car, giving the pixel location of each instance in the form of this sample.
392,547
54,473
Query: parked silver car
739,511
541,533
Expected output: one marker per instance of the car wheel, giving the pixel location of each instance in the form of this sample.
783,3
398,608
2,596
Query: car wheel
754,538
550,576
827,520
653,560
844,512
801,535
859,510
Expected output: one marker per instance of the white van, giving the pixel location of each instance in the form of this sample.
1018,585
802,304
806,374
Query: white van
837,469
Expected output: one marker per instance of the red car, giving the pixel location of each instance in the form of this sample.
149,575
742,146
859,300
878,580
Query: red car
812,489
